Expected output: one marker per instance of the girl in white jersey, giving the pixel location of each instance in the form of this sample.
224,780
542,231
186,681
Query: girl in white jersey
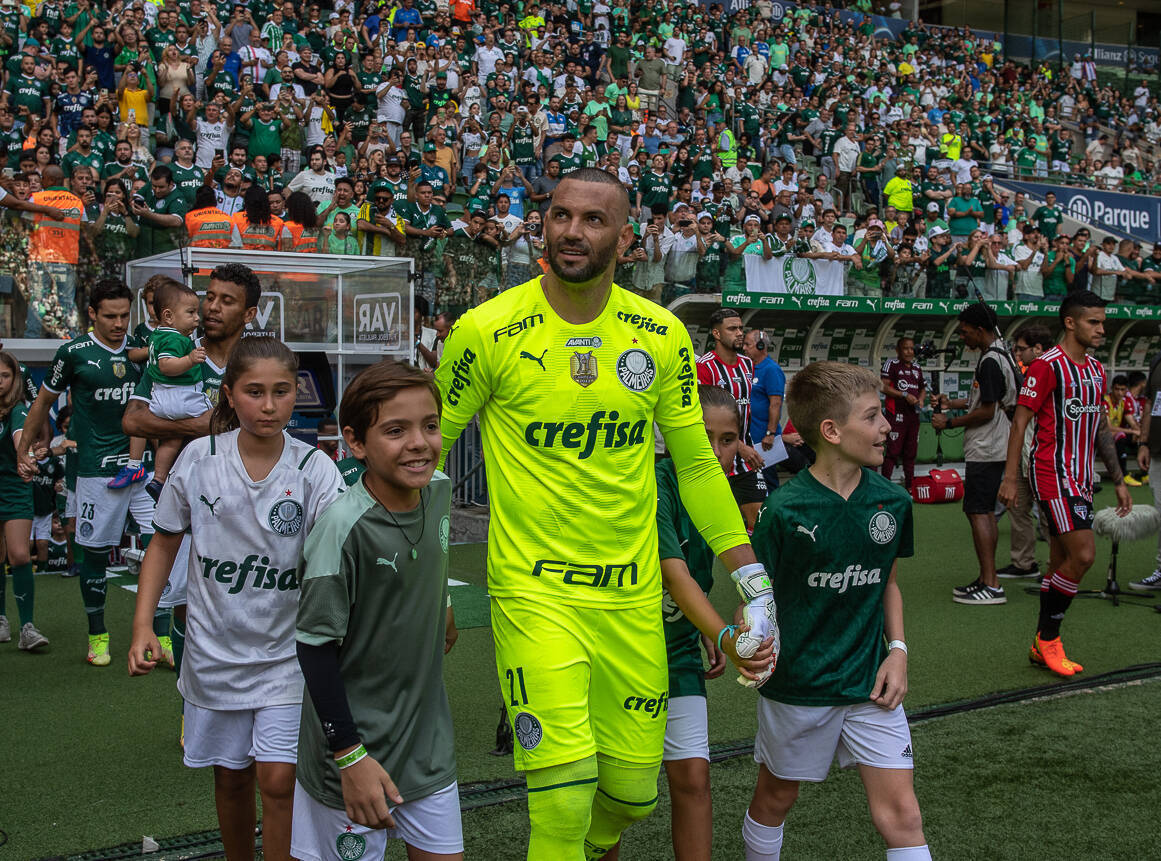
248,494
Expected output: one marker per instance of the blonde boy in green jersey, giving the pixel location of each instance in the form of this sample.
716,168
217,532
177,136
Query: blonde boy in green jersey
831,536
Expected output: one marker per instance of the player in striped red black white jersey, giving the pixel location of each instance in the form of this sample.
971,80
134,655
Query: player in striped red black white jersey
1064,393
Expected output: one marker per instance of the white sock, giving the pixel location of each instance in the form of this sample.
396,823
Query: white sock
133,464
910,853
763,842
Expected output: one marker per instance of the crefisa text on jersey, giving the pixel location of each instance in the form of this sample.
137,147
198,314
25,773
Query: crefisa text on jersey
228,571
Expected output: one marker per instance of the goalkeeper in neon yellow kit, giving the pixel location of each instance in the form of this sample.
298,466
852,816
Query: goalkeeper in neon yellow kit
568,373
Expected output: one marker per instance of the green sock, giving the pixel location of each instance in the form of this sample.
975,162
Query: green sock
178,643
93,589
161,622
22,591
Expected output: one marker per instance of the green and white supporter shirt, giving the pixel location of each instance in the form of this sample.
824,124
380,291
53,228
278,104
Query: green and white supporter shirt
102,380
362,589
167,343
246,545
678,538
829,560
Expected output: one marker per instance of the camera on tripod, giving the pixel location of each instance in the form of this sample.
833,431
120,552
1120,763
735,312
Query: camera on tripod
928,350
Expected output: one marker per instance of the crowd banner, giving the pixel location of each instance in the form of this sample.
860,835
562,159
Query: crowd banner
935,307
797,275
1137,216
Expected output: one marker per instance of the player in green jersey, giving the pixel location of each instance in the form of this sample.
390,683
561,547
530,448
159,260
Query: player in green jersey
97,369
376,756
691,624
16,506
832,535
568,373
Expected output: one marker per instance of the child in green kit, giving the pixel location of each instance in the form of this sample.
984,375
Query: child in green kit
830,538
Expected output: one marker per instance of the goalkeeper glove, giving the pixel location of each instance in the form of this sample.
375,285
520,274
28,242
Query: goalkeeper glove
760,614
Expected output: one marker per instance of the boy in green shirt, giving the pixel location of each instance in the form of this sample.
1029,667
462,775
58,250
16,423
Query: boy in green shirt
376,755
832,536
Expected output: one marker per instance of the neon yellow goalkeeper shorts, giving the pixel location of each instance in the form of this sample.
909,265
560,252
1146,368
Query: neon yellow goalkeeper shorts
578,680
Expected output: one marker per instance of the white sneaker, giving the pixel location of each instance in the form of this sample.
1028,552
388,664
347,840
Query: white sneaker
30,638
5,630
1149,584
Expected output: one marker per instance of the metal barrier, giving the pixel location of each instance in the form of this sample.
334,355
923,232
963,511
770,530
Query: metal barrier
465,467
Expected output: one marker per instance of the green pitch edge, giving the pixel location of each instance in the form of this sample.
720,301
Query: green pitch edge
208,844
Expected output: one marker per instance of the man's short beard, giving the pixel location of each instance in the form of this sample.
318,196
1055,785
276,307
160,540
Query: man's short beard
598,264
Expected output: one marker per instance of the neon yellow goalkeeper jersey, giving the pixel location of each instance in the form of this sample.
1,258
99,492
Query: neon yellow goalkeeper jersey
566,414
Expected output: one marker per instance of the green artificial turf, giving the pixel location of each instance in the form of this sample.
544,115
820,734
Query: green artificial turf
90,756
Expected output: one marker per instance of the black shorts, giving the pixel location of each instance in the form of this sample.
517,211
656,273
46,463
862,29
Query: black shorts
749,487
981,486
1067,514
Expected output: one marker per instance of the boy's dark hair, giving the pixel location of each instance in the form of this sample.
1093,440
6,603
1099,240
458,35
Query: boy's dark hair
1034,335
243,276
376,385
826,390
1121,380
715,397
108,288
168,293
978,315
1081,299
245,354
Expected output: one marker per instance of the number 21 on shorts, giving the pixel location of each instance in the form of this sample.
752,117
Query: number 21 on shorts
516,677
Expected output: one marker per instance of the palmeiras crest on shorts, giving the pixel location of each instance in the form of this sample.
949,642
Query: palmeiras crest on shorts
583,367
528,730
350,846
882,527
86,529
286,517
636,370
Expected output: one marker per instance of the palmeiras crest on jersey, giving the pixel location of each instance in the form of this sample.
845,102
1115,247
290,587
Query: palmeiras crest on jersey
528,730
350,846
286,517
882,527
636,370
584,368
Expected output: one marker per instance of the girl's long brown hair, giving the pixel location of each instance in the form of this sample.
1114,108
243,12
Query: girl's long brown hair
246,353
16,392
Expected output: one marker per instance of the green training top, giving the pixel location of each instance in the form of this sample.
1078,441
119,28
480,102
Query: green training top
388,613
678,538
829,560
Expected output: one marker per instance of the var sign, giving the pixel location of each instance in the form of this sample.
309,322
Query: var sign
379,321
269,319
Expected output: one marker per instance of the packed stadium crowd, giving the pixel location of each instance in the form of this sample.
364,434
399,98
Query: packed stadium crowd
539,156
437,131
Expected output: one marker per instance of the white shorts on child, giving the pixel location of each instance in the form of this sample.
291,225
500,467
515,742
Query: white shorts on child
686,729
801,742
174,593
321,833
42,527
178,402
236,738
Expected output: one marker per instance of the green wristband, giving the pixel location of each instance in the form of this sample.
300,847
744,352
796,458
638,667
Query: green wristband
350,758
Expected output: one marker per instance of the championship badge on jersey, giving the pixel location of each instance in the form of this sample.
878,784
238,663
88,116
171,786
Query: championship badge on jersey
584,368
118,367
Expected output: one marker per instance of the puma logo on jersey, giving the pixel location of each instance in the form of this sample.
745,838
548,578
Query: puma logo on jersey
809,532
524,354
210,505
390,562
96,364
